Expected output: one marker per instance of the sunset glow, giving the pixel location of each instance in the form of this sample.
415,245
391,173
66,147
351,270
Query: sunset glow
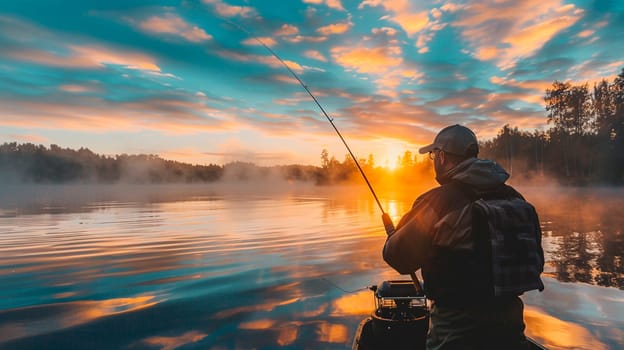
186,83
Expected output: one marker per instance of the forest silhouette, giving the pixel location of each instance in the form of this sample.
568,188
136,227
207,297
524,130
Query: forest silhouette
583,146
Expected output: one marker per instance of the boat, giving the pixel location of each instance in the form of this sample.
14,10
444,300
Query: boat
400,319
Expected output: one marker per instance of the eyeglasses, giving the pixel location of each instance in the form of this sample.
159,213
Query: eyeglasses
433,154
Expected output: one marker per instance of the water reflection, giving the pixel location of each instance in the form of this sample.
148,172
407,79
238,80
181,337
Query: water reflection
583,234
36,320
554,333
170,343
203,270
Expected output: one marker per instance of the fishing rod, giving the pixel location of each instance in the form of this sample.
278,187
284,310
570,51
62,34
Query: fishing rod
387,221
331,120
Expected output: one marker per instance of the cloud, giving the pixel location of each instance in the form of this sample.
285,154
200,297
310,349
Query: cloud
255,41
387,31
314,54
417,23
284,78
82,56
375,60
302,38
403,13
383,62
26,138
586,33
172,24
396,120
37,45
507,31
81,88
335,29
538,86
287,30
87,114
266,60
334,4
226,10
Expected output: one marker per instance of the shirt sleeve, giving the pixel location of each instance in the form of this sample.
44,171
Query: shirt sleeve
407,248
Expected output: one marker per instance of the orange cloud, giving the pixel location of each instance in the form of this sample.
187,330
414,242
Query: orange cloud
487,52
402,12
99,55
590,73
266,60
268,41
285,78
88,57
385,64
518,28
226,10
60,52
391,32
313,54
174,25
286,30
78,89
336,28
27,138
335,4
530,38
377,60
96,115
532,85
309,39
586,33
412,23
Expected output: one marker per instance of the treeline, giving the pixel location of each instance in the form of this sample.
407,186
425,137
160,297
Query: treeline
585,144
30,163
39,164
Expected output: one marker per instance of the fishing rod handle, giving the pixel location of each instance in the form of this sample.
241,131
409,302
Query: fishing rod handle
388,224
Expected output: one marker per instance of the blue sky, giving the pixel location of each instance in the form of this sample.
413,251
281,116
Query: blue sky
181,80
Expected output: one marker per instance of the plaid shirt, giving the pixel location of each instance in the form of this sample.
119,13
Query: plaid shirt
515,236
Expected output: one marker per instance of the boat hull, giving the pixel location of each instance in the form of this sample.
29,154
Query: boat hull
366,339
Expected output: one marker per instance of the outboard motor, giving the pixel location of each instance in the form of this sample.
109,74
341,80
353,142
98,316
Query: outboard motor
401,316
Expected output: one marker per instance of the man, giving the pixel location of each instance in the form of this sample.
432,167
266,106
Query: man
478,243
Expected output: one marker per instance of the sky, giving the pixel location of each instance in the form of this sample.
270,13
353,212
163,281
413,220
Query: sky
190,80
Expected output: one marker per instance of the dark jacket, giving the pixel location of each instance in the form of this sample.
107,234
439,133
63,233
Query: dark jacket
438,234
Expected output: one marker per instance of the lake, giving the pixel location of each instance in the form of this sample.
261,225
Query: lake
248,266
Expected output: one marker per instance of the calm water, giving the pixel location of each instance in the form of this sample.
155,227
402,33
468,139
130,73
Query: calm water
164,267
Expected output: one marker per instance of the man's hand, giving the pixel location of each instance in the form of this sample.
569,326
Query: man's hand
388,225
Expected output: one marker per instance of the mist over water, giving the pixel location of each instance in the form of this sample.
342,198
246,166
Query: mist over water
261,265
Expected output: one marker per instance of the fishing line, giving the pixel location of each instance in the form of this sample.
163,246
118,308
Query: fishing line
331,120
387,221
342,289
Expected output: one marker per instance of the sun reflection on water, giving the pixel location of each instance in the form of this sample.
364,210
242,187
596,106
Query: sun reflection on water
557,334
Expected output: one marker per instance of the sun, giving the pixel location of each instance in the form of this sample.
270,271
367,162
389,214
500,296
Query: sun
392,153
392,165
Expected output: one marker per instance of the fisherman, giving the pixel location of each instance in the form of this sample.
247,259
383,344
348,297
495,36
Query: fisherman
478,243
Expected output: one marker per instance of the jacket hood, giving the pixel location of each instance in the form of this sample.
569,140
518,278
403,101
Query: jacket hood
483,174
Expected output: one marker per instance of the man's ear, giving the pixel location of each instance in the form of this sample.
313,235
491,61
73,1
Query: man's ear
442,157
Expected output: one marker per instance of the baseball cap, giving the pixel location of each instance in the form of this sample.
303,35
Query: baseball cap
455,139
